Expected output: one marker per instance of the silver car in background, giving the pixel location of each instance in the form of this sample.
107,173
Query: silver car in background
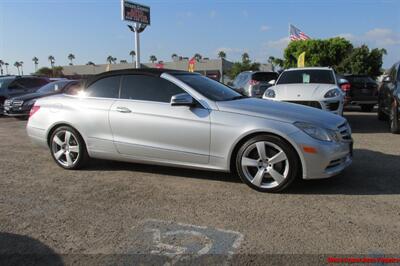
254,83
184,119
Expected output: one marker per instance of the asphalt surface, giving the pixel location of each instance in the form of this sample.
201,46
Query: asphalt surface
117,209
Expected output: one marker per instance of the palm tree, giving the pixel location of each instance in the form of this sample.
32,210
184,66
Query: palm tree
90,63
153,58
21,64
123,62
133,54
6,64
1,67
197,56
52,60
174,56
17,65
71,57
36,62
221,54
114,60
245,58
110,59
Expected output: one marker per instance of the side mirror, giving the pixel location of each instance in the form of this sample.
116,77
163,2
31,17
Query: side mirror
272,82
182,99
387,79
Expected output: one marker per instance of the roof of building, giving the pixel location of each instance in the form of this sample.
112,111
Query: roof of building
202,65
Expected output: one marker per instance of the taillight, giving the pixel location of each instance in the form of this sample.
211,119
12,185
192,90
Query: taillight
345,87
254,82
34,109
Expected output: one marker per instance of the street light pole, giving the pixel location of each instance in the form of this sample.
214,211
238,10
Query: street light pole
137,28
137,44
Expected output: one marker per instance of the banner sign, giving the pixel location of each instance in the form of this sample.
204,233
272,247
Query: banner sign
135,12
192,63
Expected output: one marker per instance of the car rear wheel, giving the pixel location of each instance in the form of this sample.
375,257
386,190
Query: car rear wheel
367,107
267,163
68,148
394,120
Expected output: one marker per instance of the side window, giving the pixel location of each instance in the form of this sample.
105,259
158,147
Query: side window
148,88
104,88
238,79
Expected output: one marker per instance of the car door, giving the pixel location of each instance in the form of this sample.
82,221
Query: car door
391,89
93,107
147,127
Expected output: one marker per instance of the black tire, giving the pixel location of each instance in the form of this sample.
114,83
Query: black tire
367,107
82,156
394,119
291,155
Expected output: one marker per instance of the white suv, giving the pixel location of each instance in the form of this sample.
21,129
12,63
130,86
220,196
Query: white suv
312,86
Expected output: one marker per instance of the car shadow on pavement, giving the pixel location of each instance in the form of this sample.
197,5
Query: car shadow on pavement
96,165
366,123
23,250
372,173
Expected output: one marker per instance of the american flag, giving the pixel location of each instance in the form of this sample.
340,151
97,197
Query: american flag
296,34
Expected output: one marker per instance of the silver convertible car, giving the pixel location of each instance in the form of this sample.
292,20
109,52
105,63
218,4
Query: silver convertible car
184,119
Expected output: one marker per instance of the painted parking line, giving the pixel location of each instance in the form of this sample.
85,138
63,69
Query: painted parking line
175,243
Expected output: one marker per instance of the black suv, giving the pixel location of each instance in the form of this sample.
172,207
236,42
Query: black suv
11,86
363,91
389,99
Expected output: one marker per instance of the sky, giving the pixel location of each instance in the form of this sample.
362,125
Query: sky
93,29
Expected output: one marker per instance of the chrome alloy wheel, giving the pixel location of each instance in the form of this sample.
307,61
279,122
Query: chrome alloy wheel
265,164
65,148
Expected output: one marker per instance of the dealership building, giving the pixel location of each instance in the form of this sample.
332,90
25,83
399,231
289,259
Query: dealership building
213,68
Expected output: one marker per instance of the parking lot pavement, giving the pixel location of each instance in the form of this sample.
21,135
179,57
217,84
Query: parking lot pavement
121,208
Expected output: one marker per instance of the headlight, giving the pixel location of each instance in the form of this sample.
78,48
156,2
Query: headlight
269,93
318,132
333,93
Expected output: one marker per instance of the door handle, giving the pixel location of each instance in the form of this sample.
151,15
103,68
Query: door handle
123,110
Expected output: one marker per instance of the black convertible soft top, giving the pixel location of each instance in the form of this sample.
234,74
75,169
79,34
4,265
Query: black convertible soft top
156,72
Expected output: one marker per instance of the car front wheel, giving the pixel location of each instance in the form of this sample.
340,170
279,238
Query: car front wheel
68,148
267,163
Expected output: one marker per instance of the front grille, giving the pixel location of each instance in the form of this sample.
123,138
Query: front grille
308,103
332,106
345,131
13,103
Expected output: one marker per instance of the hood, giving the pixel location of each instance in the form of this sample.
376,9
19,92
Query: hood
30,96
282,111
295,92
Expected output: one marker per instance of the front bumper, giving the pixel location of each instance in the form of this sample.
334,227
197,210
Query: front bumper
330,158
17,111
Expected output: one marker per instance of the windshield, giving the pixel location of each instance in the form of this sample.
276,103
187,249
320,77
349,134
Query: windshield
307,76
209,88
359,79
264,76
52,87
